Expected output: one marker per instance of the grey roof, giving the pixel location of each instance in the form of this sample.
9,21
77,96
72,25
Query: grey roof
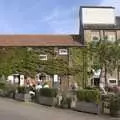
100,27
118,21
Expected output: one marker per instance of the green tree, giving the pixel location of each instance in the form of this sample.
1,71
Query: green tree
105,55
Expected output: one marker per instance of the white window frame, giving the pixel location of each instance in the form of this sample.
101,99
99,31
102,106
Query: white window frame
111,37
63,51
29,49
42,55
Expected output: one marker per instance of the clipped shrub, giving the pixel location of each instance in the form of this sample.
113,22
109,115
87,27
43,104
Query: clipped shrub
88,95
2,85
48,92
21,89
10,90
91,88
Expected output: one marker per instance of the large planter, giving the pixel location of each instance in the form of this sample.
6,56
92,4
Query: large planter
115,114
87,107
50,101
115,106
2,93
23,97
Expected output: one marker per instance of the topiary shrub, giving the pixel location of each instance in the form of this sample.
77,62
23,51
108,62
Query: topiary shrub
88,95
2,85
48,92
21,89
2,89
10,90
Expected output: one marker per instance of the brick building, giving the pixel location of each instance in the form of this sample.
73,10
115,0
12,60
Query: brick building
59,45
96,23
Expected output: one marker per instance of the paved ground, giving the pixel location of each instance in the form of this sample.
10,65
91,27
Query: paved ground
13,110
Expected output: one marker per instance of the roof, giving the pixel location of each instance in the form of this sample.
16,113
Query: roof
101,27
97,7
40,40
118,21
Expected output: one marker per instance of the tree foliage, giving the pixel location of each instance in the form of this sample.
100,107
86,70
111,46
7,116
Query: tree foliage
105,55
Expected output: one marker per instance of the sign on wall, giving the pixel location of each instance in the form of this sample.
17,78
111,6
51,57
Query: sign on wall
98,15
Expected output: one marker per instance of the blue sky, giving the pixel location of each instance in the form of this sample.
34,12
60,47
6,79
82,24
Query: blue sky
44,16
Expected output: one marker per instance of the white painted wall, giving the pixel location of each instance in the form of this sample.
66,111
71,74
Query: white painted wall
22,81
10,79
98,16
55,78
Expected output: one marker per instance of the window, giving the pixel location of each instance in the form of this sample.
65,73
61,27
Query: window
95,35
43,57
111,38
112,82
63,51
95,38
29,49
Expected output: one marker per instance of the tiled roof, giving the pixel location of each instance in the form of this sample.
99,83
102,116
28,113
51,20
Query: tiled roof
40,40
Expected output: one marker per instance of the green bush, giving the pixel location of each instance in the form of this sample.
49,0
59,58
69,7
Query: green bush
48,92
88,95
7,89
115,105
21,89
91,88
10,89
2,85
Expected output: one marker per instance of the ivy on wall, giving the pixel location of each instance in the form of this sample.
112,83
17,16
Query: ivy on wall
27,62
78,57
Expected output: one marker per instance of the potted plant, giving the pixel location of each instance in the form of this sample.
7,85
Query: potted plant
10,90
47,96
115,106
2,89
88,101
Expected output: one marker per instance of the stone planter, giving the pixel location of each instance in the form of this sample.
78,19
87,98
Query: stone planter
116,114
88,107
50,101
2,93
23,97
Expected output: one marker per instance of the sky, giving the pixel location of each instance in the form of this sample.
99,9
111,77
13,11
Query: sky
45,16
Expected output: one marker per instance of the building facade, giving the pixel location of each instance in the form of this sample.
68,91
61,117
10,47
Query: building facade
49,48
96,23
100,23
